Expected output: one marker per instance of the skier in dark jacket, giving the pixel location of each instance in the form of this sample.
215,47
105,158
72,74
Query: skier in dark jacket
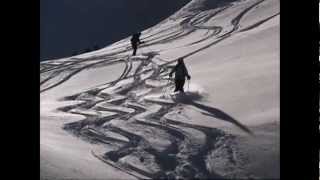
135,41
180,73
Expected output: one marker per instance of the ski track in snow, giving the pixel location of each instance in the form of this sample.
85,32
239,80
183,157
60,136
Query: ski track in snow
145,143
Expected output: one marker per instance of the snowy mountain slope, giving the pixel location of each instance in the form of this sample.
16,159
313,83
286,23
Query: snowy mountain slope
105,114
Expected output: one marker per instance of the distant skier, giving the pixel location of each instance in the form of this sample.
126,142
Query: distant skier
135,41
180,73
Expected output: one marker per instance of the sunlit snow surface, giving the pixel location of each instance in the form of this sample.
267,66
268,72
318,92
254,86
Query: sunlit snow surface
107,115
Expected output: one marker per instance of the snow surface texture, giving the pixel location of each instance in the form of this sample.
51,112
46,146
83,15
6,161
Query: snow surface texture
107,115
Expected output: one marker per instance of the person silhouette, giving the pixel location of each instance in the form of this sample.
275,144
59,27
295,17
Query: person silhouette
181,72
135,41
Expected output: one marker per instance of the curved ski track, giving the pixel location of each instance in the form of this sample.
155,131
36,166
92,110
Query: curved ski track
144,143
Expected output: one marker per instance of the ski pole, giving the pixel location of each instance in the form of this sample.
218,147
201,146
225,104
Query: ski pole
188,84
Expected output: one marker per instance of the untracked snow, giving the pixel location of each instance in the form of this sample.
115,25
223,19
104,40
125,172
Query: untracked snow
108,115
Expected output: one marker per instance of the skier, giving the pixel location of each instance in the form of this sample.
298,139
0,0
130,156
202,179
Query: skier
180,73
135,41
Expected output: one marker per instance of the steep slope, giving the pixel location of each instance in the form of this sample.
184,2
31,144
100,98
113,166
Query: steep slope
108,115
